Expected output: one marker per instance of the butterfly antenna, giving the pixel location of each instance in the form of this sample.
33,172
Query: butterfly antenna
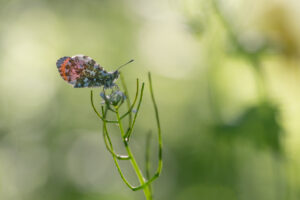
130,61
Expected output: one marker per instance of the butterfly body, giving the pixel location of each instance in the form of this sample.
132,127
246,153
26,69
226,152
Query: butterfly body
82,71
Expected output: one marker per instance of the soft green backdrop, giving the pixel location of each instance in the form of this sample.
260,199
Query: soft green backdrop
226,78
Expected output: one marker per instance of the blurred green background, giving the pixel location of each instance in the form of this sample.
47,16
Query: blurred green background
226,78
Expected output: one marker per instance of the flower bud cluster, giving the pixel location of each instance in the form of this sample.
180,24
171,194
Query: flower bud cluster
115,97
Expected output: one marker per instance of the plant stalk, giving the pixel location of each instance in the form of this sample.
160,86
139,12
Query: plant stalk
134,164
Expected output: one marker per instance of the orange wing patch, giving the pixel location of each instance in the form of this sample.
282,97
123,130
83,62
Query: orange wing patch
63,69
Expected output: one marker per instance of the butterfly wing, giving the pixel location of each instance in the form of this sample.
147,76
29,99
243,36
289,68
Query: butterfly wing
61,66
80,71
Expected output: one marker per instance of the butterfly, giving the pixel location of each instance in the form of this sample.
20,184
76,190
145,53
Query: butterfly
82,71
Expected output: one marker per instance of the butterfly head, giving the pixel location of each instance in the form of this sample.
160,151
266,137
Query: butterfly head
115,74
111,77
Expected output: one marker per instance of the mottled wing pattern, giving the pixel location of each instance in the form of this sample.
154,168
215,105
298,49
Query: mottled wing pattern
61,66
82,71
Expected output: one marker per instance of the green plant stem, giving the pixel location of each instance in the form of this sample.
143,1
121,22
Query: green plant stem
127,98
127,135
144,184
160,163
98,114
134,101
114,157
134,164
110,148
106,136
147,158
133,188
108,142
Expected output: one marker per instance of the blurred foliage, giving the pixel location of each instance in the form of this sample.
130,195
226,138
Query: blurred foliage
226,77
258,125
